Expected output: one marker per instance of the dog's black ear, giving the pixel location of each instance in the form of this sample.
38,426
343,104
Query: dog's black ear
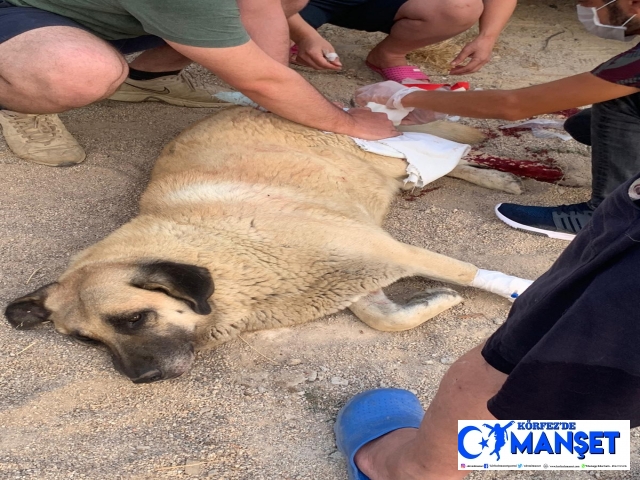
189,283
28,311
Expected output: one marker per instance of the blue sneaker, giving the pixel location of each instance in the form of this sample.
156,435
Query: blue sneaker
562,222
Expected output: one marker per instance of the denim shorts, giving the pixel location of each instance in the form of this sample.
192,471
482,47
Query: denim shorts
365,15
15,21
570,343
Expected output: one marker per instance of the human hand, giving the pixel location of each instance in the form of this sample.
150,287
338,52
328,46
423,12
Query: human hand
387,93
477,52
371,126
313,51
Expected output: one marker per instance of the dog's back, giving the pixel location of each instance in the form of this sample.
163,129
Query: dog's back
244,156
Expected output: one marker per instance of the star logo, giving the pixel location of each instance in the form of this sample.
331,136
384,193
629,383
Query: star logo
484,443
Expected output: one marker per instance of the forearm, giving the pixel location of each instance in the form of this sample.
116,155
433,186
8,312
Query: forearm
283,91
287,94
495,17
481,104
299,29
576,91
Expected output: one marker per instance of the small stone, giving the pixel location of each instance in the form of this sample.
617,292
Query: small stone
296,380
312,376
339,381
261,389
447,360
294,361
429,362
498,321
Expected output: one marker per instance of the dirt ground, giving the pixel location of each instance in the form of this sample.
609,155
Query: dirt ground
262,407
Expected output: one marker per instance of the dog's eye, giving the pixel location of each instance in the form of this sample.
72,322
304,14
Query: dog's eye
137,319
129,322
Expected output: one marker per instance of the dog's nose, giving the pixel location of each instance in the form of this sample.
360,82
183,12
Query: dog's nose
148,377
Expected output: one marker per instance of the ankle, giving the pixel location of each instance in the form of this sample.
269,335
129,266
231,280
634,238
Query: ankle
383,59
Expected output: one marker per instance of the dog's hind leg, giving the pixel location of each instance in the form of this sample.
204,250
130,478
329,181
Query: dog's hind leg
380,313
416,261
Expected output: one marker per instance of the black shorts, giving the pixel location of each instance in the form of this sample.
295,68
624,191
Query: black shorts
15,21
571,343
365,15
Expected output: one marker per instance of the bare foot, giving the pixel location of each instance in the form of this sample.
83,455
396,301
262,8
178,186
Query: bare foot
381,459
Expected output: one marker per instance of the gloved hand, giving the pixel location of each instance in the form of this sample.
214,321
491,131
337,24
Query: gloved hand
387,93
390,94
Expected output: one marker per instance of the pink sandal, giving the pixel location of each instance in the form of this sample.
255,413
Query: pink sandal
398,74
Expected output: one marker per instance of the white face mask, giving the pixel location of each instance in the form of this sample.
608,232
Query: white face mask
589,18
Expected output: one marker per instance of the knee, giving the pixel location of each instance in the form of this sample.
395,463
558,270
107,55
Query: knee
460,13
87,76
291,7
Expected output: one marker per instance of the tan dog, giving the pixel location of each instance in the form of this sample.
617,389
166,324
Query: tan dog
282,219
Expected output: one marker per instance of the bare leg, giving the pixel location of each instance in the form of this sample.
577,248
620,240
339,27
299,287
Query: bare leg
419,23
160,59
53,69
431,451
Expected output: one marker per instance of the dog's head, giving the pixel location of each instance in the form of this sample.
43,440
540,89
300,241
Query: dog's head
145,314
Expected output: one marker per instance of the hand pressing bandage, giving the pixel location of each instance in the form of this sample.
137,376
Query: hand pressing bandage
389,94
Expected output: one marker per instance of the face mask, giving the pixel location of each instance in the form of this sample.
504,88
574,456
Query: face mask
589,18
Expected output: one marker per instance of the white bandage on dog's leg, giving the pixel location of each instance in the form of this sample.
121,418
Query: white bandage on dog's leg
500,283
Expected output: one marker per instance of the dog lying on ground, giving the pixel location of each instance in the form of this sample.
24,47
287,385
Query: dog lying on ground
249,222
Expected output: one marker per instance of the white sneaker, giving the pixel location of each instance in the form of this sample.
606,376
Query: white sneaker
40,138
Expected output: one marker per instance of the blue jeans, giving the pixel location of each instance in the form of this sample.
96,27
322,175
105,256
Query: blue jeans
612,129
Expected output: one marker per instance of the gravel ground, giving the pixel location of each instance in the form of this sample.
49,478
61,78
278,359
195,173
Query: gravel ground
262,407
